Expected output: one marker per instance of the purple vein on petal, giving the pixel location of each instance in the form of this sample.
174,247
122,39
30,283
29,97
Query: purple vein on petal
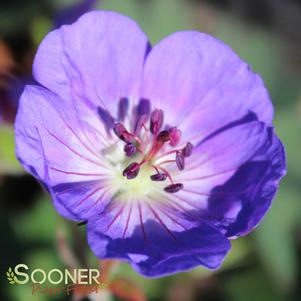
44,155
88,196
103,140
183,210
200,163
197,192
173,220
74,151
192,215
141,223
208,176
99,199
163,224
185,201
173,203
192,109
232,193
77,137
169,205
79,184
78,173
164,211
127,221
116,216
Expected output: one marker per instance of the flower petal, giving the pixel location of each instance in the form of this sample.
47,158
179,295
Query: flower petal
232,176
201,84
152,243
62,151
98,59
255,184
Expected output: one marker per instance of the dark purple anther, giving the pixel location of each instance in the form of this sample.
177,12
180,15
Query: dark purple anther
141,119
180,160
187,150
106,118
158,177
123,107
175,136
163,136
121,132
144,107
173,188
156,121
131,171
129,149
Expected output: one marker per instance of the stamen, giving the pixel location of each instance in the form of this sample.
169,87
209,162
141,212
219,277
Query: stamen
139,140
159,177
131,171
167,173
156,121
173,188
156,169
106,118
163,137
180,160
175,136
123,107
147,140
166,162
187,150
159,142
129,149
122,133
143,108
141,120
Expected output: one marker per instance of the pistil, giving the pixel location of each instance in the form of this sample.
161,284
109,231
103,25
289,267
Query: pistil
158,143
134,143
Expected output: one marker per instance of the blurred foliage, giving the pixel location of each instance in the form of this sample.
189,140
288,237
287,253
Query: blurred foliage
8,161
157,18
263,266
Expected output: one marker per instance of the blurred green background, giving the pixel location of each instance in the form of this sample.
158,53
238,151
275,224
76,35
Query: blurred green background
265,265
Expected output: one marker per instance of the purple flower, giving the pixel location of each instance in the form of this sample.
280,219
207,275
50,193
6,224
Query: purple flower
188,99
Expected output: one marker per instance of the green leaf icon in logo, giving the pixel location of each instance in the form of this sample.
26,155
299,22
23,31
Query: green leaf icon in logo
10,276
